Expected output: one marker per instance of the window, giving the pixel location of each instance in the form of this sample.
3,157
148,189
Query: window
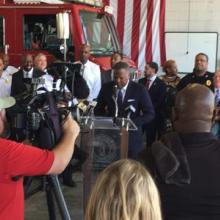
98,34
40,33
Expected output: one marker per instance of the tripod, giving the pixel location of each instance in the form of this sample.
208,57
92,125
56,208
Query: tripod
50,184
50,128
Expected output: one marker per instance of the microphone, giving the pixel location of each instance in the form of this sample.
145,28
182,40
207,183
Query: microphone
130,109
90,113
37,81
83,106
114,97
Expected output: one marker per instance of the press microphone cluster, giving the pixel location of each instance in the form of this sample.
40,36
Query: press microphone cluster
36,82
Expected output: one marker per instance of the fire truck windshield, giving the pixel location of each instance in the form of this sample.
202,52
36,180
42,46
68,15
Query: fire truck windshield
99,33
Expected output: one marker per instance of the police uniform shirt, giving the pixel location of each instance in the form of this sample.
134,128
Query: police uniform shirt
206,80
5,85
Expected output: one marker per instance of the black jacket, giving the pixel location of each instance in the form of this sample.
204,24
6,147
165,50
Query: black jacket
18,85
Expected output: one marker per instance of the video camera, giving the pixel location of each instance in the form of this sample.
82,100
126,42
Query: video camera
36,108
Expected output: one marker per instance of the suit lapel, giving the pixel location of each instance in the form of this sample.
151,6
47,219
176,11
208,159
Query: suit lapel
127,94
153,85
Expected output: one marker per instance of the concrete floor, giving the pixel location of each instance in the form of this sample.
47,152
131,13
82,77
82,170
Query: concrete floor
36,207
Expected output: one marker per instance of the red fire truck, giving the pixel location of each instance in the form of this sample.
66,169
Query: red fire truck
29,26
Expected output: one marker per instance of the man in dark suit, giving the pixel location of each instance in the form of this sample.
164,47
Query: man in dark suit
130,96
21,80
157,92
21,90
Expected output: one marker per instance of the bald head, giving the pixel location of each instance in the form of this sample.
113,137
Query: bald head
84,53
194,109
27,62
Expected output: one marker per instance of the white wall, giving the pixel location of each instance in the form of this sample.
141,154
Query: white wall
204,17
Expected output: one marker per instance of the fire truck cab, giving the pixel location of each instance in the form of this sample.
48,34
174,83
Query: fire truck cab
29,26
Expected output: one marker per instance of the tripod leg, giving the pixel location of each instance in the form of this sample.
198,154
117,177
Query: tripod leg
50,202
59,197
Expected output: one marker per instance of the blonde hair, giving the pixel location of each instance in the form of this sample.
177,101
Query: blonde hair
124,191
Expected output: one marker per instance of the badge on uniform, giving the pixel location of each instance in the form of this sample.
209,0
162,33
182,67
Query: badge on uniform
7,80
208,82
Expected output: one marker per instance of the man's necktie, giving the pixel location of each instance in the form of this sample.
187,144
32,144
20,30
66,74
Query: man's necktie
82,69
148,84
217,98
26,75
119,101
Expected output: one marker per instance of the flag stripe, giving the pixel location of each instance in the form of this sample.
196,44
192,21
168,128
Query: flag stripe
142,42
135,30
140,25
150,9
128,27
114,5
121,20
162,32
156,31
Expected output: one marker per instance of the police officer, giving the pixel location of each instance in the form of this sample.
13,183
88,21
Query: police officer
199,75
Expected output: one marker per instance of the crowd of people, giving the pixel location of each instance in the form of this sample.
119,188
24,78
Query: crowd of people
177,117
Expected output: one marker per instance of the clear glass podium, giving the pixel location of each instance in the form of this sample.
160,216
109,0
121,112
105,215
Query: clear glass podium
105,140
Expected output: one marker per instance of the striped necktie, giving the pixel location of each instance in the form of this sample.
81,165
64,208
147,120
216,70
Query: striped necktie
120,102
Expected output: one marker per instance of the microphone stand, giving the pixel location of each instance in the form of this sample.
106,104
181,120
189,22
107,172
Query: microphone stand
114,97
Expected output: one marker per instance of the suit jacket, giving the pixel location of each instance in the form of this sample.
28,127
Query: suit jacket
135,95
106,76
18,85
157,94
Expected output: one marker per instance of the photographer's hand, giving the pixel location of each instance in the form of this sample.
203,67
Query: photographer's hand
64,149
71,125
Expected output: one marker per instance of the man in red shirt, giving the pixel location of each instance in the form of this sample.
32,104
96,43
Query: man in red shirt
17,159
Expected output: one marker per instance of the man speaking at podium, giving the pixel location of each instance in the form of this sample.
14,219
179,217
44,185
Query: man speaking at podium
125,98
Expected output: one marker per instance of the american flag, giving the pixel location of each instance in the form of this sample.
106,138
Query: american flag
140,25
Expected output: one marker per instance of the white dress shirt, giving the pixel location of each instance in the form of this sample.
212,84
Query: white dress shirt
5,84
123,90
151,80
28,74
92,75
